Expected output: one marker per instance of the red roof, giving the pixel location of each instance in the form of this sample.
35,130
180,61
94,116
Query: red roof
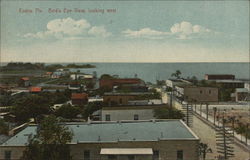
49,73
79,96
35,89
25,78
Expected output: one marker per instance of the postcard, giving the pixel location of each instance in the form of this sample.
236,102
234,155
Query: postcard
124,80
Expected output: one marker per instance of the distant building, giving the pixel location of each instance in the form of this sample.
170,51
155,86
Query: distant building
48,74
131,88
129,112
219,77
75,86
110,83
171,83
242,94
35,89
247,85
114,98
198,94
231,83
24,82
79,98
123,140
79,76
59,73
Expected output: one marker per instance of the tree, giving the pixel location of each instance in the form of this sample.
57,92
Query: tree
160,82
50,142
90,108
240,129
68,111
3,127
194,80
203,150
168,113
30,107
176,74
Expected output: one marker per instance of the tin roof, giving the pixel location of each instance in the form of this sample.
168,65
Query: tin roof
108,132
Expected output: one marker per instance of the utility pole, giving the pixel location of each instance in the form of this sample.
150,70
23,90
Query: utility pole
224,141
207,111
215,110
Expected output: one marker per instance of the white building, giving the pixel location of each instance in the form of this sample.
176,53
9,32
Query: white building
136,112
81,76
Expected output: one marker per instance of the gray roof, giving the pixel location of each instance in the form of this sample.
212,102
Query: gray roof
101,132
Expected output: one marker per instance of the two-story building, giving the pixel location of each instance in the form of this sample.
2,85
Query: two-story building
198,94
120,140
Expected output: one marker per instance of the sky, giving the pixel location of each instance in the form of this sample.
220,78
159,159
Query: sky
125,31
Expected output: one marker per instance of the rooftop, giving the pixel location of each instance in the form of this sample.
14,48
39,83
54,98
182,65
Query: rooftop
25,78
35,89
79,96
104,132
230,81
125,93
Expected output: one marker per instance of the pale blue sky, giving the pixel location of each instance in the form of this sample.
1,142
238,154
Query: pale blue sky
139,31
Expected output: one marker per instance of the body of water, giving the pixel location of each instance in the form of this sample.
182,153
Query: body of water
150,72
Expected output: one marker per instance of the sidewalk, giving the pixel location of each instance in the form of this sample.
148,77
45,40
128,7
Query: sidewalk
217,123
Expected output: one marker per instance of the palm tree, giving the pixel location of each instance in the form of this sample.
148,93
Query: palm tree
176,74
204,149
240,129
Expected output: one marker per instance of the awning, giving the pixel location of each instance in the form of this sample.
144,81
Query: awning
126,151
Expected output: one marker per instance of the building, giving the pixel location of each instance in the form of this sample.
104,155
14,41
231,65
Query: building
219,77
130,112
24,82
171,83
35,89
79,98
75,86
48,74
197,94
231,83
123,140
114,98
242,94
247,85
79,76
110,83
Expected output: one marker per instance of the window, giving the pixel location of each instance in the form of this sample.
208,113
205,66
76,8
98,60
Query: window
120,100
200,91
136,117
112,157
107,117
131,157
180,155
86,155
209,91
155,155
7,155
